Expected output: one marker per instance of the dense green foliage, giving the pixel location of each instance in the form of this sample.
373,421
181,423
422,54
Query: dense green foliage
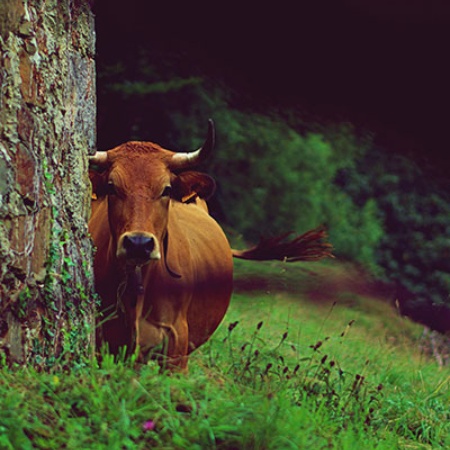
415,247
291,374
276,174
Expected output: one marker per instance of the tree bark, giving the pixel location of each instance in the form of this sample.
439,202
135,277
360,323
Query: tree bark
47,130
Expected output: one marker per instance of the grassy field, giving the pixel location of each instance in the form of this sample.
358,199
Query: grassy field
308,357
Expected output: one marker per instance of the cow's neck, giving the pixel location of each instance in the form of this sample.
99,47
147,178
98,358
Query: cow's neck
130,297
132,287
166,263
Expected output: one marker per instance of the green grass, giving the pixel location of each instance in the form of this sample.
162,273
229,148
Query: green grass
296,372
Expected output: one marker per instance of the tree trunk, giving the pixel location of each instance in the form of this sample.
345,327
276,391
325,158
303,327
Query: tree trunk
47,130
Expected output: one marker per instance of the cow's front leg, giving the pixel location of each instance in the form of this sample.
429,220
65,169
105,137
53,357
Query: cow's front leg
164,341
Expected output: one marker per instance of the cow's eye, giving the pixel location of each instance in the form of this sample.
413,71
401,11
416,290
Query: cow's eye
110,188
167,191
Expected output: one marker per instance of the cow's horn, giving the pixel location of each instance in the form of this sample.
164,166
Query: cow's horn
181,160
100,158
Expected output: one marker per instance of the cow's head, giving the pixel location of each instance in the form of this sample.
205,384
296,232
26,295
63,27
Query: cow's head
140,179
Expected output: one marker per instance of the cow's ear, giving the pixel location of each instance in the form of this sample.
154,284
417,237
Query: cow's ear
99,182
188,185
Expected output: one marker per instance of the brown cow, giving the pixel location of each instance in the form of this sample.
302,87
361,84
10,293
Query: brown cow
163,266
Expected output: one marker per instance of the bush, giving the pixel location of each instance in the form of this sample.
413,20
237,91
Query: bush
415,249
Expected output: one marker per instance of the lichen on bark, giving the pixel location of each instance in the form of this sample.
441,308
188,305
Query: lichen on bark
47,130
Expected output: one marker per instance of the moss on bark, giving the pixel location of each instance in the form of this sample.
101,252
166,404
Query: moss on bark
47,129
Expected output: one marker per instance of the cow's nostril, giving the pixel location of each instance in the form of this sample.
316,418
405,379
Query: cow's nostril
149,244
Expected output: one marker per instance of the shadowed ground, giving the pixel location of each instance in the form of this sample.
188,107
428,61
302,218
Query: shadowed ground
321,282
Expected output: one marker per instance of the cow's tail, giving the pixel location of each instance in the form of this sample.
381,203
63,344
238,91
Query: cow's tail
310,246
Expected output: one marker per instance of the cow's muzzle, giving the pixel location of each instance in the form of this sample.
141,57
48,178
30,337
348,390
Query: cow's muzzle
138,248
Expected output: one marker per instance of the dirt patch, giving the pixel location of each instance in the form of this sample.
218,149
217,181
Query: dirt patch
320,283
346,278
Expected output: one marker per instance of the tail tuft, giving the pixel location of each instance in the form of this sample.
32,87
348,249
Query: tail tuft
310,246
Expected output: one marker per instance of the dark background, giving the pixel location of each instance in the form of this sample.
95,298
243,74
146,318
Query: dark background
383,66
